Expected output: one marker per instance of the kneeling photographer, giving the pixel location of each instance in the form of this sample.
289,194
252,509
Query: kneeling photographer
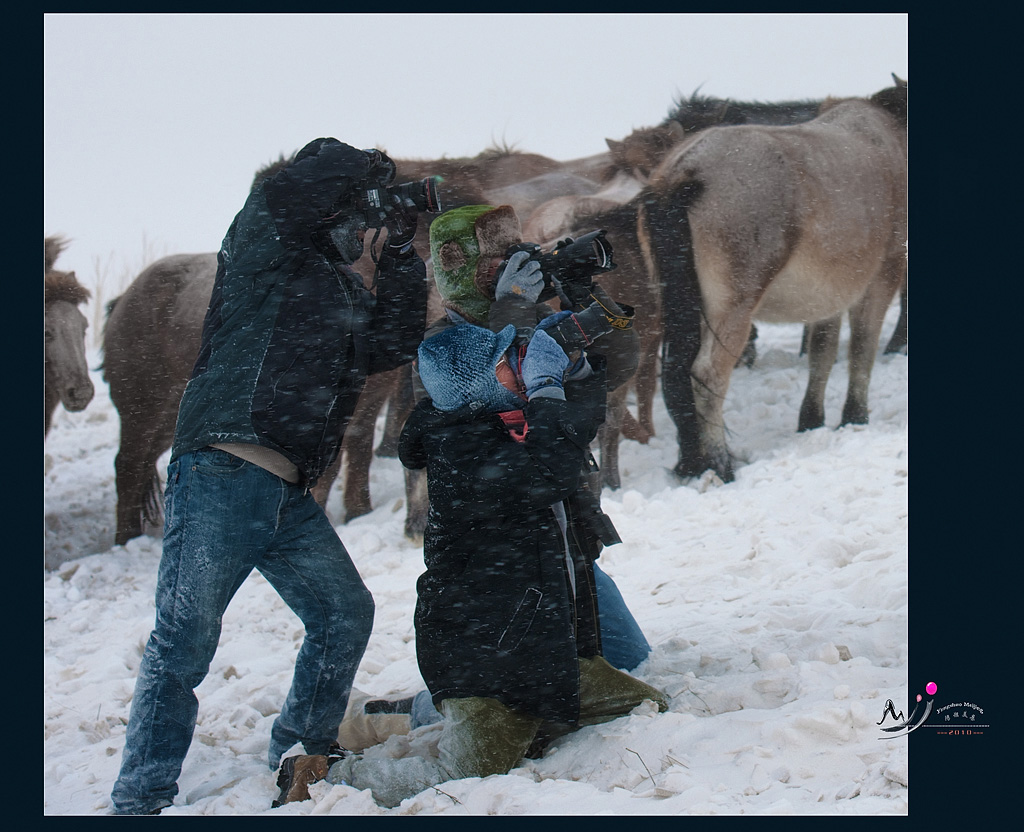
486,275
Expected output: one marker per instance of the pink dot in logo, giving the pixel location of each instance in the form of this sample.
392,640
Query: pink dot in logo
919,697
930,688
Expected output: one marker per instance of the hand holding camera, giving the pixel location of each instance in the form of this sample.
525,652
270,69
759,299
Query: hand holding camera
543,365
401,222
398,205
568,269
521,277
575,351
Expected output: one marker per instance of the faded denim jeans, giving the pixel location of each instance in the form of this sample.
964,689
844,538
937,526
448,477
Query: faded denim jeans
622,641
225,517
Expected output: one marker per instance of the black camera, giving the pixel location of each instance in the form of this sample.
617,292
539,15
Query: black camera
569,268
377,202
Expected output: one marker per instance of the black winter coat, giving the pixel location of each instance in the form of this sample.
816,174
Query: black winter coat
495,614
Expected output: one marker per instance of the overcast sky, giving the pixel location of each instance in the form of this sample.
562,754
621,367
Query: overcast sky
155,124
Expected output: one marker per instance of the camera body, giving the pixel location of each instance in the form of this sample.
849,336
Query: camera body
378,201
569,268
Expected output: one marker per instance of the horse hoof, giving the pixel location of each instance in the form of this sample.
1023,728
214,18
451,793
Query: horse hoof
686,471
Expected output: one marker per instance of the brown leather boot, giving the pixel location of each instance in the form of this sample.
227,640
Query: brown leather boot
296,774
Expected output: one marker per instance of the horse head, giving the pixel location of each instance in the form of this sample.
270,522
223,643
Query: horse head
66,371
643,149
894,100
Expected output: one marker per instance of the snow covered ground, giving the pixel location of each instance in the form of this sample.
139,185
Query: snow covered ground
777,607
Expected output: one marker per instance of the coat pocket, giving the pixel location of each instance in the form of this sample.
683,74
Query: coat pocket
521,620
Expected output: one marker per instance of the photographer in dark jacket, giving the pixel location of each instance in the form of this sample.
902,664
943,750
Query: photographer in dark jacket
290,336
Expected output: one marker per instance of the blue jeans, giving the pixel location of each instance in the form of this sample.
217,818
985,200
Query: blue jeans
225,517
622,642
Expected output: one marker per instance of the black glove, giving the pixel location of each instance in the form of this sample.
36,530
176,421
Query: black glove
401,223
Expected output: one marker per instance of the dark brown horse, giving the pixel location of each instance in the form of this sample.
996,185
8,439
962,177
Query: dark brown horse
784,224
65,369
628,283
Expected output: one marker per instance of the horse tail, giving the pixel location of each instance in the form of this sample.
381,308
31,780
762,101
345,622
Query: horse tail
667,240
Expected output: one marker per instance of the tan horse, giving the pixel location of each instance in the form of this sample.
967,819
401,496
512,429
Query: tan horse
65,369
784,224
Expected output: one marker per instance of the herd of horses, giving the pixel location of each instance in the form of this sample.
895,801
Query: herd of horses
725,213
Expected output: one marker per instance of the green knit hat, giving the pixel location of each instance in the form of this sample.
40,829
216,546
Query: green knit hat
462,243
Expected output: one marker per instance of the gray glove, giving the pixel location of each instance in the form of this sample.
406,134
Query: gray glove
521,278
543,366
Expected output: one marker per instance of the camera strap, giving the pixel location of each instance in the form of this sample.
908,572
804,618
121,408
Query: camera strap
373,257
617,320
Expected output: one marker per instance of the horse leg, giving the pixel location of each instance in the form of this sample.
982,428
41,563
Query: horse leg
645,382
608,437
146,432
417,504
322,490
723,339
358,443
400,405
749,355
822,349
898,341
866,319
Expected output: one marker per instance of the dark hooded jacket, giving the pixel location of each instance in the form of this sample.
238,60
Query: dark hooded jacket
291,332
496,615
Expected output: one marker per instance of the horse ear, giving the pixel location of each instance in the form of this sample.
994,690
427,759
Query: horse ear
898,81
676,131
613,145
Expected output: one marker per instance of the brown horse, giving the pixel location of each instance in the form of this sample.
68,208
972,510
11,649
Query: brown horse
65,369
800,223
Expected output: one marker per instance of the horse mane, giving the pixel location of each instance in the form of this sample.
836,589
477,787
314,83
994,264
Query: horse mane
52,248
892,100
495,152
58,286
63,286
701,111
